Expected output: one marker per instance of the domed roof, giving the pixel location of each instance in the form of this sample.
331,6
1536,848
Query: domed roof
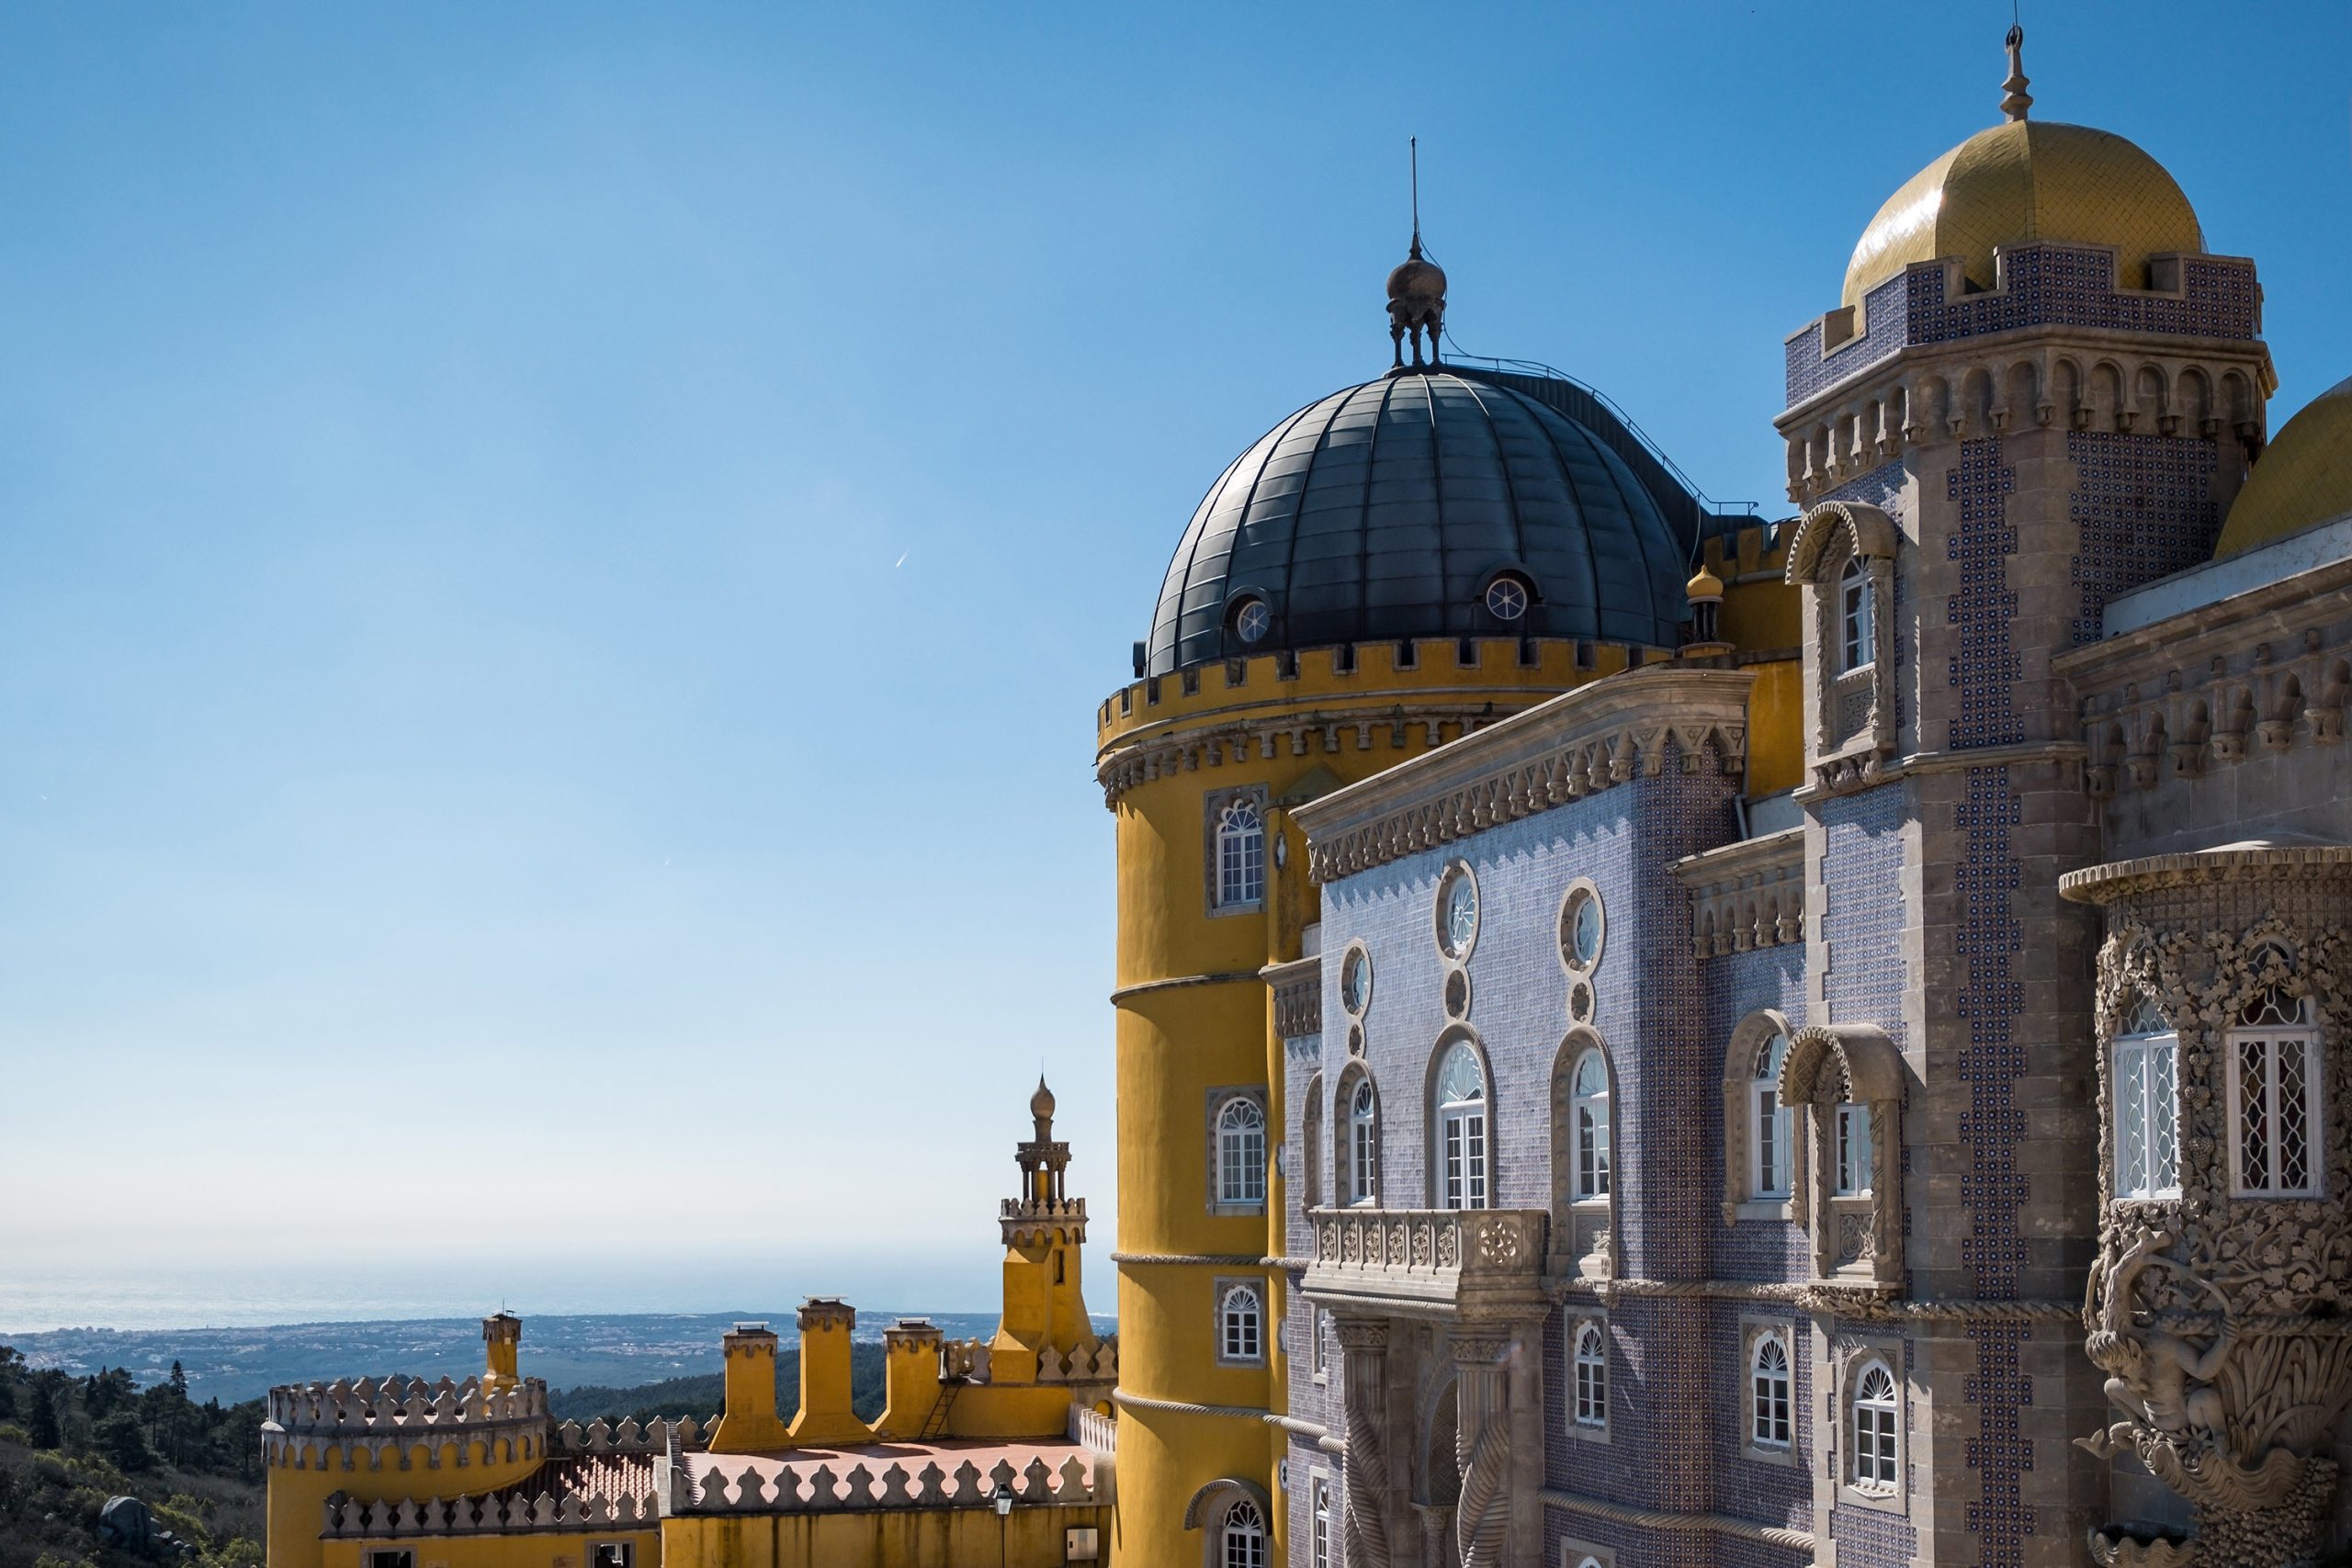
2303,477
1430,505
2022,182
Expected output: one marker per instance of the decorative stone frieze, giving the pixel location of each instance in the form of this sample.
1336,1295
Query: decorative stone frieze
1288,734
2259,672
1577,744
774,1487
1298,987
2223,1319
1746,894
349,1519
1428,1262
1363,1352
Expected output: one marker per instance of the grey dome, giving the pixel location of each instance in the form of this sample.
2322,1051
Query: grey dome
1385,510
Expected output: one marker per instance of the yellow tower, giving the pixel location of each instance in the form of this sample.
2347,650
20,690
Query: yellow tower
1390,566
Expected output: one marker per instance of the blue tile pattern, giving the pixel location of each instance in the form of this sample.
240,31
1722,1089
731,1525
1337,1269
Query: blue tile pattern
1983,669
2144,508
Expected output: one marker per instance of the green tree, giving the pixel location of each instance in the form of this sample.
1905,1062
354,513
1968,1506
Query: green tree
121,1438
44,1429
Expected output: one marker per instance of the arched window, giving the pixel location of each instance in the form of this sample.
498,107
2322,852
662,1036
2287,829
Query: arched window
1310,1136
1240,1152
1768,1121
1857,612
1769,1394
1243,1542
1241,855
1363,1145
1589,1105
1590,1382
1241,1325
1875,1456
1853,1135
1462,1130
2147,1105
2274,1073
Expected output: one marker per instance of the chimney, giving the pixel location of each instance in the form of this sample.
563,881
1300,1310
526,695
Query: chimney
502,1338
826,1419
910,1363
750,1425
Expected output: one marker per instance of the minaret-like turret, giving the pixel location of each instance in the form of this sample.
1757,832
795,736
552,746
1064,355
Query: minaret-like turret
1044,1229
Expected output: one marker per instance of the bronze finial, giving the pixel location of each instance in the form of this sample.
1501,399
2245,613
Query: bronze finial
2015,99
1416,289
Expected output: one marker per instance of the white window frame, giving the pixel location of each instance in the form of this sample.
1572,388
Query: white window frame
2144,1112
1319,1355
2276,1045
1364,1143
1241,857
1857,617
1238,1180
1240,1326
1771,1410
1874,1430
1588,1378
1589,1117
1764,1083
624,1553
1854,1155
1464,1134
1241,1536
1319,1514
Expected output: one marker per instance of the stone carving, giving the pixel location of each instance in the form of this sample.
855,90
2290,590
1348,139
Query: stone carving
1482,1447
2222,1321
1363,1351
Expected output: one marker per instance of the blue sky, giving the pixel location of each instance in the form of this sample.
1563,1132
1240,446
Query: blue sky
556,563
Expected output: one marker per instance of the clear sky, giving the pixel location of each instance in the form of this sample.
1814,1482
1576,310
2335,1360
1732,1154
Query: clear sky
556,563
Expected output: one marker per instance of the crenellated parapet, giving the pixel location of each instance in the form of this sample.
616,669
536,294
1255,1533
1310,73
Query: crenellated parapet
601,1437
768,1486
1933,365
476,1418
1035,1221
1098,1362
349,1519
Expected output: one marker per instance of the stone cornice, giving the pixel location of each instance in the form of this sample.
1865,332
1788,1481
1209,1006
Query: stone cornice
1575,745
1298,996
1746,894
2253,861
1186,747
2287,605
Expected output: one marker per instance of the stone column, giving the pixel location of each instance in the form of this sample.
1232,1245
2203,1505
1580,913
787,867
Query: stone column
1482,1442
1363,1373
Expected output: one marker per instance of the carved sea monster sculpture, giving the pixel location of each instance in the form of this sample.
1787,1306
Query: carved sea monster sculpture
2150,1373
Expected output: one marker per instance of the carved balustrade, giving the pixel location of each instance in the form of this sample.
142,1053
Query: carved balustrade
1424,1262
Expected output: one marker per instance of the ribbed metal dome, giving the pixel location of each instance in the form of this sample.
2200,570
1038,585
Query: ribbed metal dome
1387,511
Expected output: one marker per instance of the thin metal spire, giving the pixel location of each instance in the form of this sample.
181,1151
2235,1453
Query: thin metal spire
1414,145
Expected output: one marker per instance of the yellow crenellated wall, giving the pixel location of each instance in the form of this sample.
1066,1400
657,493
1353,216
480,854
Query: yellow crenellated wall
299,1491
1031,1537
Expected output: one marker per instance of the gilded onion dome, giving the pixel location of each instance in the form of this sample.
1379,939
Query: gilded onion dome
2024,182
2304,477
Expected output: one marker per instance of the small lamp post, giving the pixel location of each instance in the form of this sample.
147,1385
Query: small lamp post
1002,1500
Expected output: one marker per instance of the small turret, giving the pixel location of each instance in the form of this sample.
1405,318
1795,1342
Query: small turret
1705,594
501,1338
750,1425
825,1419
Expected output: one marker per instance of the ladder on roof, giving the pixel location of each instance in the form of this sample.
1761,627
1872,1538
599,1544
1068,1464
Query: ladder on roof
935,1424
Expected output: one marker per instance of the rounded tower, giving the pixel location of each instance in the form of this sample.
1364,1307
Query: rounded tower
1389,568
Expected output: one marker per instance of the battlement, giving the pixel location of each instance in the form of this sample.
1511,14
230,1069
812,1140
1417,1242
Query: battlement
769,1485
1434,668
972,1361
1036,1221
2041,285
601,1437
349,1519
399,1403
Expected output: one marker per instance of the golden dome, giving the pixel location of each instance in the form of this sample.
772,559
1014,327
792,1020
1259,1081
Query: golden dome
1704,585
2303,478
2025,181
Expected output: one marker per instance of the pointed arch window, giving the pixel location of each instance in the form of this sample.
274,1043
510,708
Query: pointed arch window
1241,855
1589,1108
2147,1105
1241,1153
1462,1130
1768,1132
2274,1089
1770,1399
1857,616
1364,1143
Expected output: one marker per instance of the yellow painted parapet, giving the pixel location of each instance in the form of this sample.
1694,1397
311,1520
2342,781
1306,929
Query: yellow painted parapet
825,1416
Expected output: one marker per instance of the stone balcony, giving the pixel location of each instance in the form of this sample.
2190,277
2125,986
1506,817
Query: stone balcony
1428,1262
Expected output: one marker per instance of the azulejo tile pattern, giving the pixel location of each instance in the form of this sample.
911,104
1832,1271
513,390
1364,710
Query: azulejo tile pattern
1983,668
2142,508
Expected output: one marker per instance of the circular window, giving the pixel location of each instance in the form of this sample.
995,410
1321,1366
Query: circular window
1580,1002
1355,981
1252,620
1506,598
1457,994
1581,928
1457,913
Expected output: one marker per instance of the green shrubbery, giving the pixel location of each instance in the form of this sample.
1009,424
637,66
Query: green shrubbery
67,1444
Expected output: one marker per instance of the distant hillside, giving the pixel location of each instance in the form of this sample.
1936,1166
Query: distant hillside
67,1444
703,1397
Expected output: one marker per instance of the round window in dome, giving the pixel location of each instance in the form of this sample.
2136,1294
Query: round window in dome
1252,620
1507,597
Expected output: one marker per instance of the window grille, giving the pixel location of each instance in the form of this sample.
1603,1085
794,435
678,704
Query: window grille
1245,1537
2147,1106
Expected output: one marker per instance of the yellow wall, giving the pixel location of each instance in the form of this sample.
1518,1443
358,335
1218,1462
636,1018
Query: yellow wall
1031,1537
524,1549
297,1506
